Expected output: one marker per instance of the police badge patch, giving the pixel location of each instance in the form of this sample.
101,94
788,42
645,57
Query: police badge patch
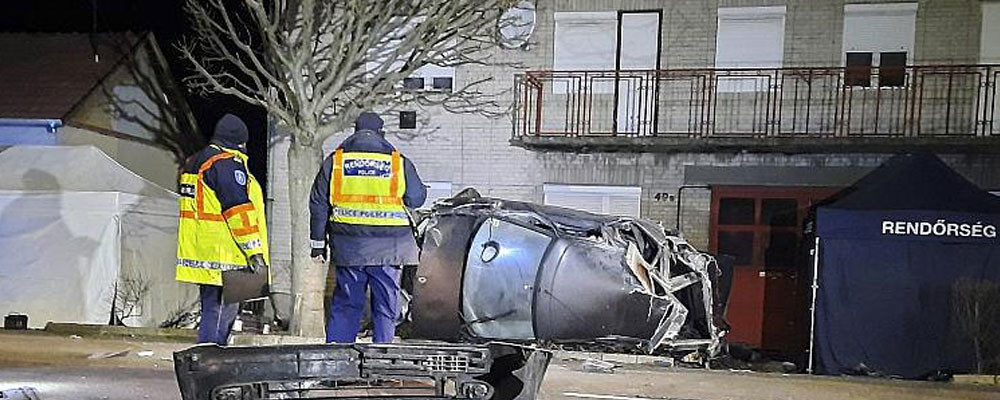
241,177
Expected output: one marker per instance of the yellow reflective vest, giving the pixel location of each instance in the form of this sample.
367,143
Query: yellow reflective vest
367,189
211,240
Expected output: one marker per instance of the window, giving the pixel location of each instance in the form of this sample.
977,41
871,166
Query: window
443,84
885,32
585,41
892,69
613,200
413,83
407,120
419,78
439,78
749,37
989,46
778,212
736,211
891,72
859,69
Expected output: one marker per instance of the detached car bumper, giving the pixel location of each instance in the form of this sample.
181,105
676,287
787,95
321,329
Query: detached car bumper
344,371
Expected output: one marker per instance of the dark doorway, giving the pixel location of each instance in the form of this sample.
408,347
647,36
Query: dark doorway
761,228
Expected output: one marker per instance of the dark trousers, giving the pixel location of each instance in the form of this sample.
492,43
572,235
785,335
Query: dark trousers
216,317
348,303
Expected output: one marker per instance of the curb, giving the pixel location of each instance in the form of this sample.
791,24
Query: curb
980,380
105,331
616,358
238,339
252,339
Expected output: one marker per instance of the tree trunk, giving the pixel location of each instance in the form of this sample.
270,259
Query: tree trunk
308,277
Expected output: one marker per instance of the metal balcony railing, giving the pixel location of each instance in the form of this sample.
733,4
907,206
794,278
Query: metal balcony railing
913,101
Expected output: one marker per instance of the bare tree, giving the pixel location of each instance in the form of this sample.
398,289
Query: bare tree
976,314
184,316
314,65
127,295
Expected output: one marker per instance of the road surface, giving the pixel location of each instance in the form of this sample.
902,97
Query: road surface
59,368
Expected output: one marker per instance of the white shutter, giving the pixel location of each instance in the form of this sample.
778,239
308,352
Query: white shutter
989,44
613,200
879,28
624,205
580,201
585,41
640,44
749,37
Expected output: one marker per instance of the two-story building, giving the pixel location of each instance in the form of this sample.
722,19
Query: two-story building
725,119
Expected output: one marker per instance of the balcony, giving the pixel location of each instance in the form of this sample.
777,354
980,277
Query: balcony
941,108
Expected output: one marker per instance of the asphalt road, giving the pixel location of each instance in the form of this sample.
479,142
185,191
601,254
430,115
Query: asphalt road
76,369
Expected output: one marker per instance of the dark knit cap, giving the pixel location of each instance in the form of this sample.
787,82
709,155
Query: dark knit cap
231,130
368,121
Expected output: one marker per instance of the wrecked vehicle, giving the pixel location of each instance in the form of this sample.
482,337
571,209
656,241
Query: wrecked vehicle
496,279
431,370
493,269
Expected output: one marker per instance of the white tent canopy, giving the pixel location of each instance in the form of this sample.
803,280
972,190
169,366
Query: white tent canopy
77,228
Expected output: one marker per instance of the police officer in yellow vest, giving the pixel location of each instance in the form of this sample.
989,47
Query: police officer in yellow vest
222,225
357,206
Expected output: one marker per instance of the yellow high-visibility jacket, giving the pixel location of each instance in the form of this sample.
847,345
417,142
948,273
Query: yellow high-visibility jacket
209,239
367,189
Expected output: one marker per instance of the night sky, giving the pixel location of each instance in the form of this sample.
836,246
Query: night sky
166,18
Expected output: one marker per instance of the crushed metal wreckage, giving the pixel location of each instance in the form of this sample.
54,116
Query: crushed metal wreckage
495,269
499,279
416,370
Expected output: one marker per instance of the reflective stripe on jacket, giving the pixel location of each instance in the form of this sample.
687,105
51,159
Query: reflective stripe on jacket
367,189
211,240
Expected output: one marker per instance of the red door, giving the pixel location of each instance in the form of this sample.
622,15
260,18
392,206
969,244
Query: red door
761,228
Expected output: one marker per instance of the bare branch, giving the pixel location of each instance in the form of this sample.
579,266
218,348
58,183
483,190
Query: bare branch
315,64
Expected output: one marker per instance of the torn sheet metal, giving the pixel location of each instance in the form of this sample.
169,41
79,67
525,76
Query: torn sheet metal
494,269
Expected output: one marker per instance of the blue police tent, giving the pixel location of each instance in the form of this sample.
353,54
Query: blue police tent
891,247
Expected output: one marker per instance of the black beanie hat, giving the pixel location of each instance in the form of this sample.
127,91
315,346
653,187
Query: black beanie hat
369,121
230,130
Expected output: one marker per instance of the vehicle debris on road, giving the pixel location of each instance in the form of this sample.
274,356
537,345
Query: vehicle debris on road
592,365
111,354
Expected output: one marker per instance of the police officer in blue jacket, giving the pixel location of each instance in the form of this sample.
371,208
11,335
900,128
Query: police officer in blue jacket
222,225
358,207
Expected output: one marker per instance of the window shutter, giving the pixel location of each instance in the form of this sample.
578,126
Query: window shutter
613,200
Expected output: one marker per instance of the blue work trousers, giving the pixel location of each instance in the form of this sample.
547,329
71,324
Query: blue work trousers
216,317
348,303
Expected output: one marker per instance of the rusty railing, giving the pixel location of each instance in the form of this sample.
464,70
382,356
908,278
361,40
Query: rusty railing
938,100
